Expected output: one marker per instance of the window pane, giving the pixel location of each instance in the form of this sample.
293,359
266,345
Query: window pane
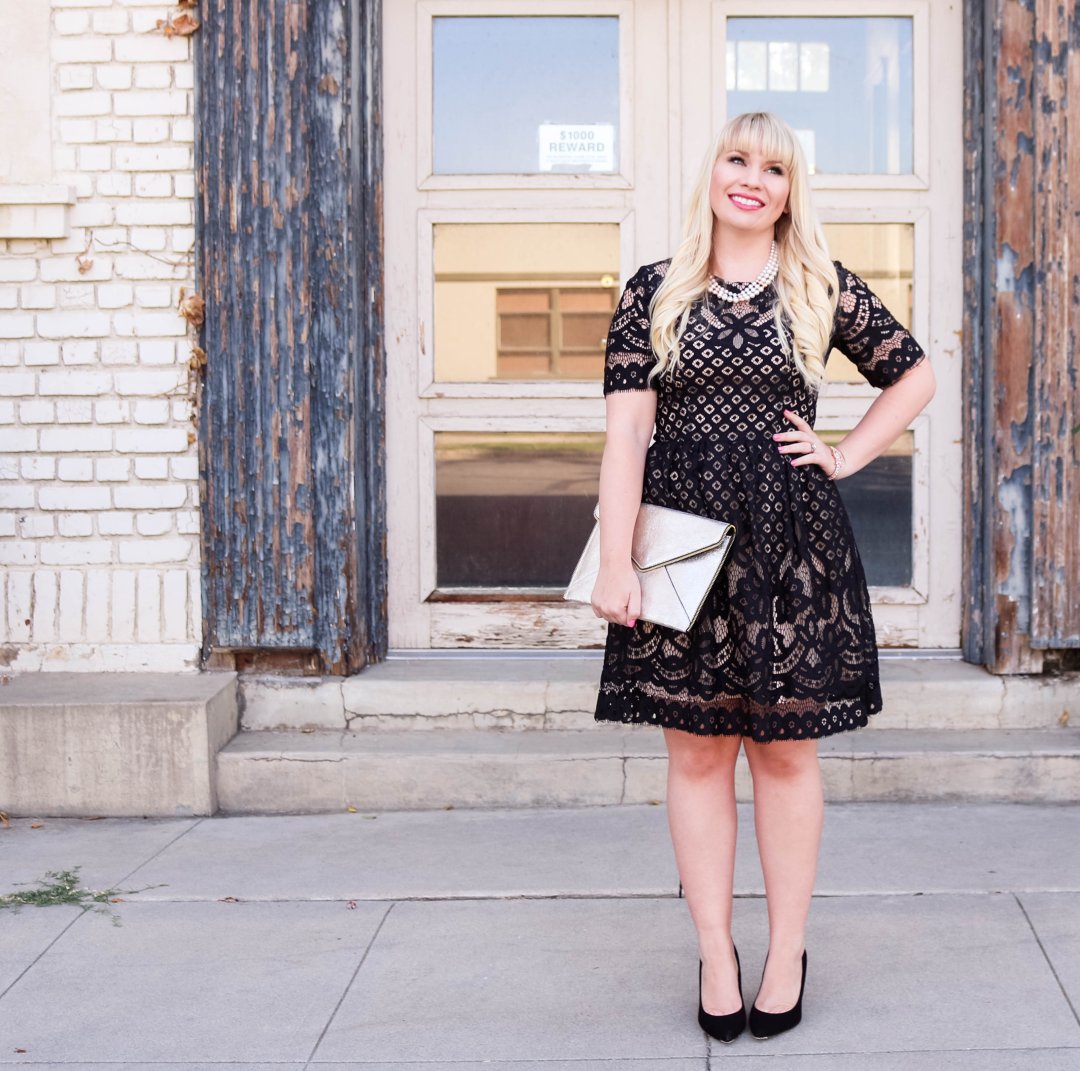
883,255
878,499
853,76
513,509
521,95
501,288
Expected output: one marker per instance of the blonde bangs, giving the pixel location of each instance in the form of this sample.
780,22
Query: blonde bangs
758,132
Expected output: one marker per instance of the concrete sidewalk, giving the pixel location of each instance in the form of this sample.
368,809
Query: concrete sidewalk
943,936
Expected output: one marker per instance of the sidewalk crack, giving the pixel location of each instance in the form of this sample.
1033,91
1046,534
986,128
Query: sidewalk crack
348,986
1046,956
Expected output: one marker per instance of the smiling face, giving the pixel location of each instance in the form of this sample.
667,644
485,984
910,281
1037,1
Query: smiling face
748,191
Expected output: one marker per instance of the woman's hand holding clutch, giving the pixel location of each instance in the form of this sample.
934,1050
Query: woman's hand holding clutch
616,595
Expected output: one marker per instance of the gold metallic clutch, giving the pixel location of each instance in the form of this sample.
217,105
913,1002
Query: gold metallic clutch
677,557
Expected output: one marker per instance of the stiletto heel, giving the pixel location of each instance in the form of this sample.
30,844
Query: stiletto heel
725,1028
768,1024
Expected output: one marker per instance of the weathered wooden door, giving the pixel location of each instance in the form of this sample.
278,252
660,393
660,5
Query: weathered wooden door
287,157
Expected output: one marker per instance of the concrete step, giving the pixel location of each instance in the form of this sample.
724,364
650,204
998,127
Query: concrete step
554,692
113,744
266,772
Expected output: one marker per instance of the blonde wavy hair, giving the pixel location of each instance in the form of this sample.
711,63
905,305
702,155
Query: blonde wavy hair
806,284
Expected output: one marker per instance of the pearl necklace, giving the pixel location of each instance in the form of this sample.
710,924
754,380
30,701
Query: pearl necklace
768,274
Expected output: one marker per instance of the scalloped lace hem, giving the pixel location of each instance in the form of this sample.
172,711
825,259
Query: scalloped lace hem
828,716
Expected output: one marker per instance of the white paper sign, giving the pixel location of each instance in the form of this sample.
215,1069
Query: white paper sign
577,147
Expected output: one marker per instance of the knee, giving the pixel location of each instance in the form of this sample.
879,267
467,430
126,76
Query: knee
782,760
700,759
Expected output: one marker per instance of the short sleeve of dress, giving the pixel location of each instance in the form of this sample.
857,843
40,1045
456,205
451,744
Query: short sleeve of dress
629,355
869,335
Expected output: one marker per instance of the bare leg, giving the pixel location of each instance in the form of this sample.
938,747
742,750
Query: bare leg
703,822
789,812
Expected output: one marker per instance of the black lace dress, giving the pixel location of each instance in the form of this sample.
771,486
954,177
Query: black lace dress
784,648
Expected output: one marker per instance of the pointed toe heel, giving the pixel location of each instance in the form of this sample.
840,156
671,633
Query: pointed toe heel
768,1024
725,1028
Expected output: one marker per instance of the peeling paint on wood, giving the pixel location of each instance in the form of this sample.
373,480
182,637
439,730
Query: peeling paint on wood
977,615
1023,296
286,163
1055,603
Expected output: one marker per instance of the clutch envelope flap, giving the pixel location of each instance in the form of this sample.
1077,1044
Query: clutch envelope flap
663,536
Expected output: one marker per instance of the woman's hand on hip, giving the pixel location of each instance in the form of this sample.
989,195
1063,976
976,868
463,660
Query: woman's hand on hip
616,594
805,443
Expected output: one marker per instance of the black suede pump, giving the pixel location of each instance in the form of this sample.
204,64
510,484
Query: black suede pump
768,1024
725,1028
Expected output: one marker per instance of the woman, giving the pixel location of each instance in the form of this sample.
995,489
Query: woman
727,375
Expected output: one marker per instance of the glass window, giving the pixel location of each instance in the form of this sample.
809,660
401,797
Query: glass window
513,509
878,499
520,301
844,84
883,255
524,95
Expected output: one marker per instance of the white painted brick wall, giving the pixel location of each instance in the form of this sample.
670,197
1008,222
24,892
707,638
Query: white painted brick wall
99,530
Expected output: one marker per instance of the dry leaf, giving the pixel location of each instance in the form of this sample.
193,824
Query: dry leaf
188,3
191,437
197,360
1064,719
185,25
84,264
192,308
37,825
351,809
351,905
181,26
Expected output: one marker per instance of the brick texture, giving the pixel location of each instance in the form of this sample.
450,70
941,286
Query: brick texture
99,537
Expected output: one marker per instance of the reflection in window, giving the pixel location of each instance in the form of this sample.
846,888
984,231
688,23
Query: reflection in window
521,95
882,255
792,65
553,332
513,509
847,81
878,499
523,300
